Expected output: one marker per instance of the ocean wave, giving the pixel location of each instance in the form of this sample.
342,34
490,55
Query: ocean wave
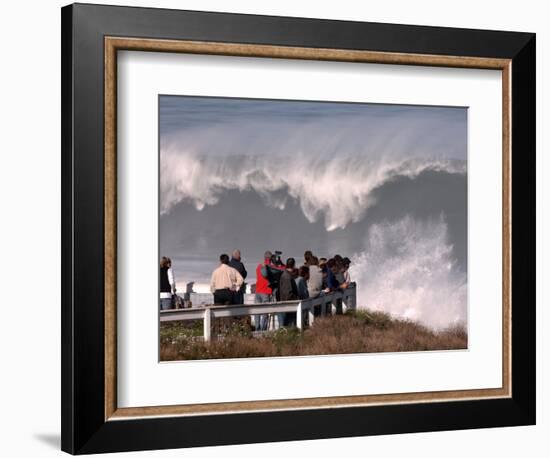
338,189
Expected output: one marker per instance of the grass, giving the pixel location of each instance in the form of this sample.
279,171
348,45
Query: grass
358,332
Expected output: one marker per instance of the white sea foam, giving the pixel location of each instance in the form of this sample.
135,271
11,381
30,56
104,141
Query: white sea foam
408,270
337,189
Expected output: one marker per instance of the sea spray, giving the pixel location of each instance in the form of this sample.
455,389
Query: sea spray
408,270
339,189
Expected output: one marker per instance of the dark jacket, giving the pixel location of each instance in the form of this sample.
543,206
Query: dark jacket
287,287
332,282
239,267
301,285
164,283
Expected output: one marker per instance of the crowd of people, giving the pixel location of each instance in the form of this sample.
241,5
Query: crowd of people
275,281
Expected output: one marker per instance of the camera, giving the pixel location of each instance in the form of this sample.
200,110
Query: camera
276,258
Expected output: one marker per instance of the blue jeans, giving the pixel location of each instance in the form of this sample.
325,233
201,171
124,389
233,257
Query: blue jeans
261,320
165,303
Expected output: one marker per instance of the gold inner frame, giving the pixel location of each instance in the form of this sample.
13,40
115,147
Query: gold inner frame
112,45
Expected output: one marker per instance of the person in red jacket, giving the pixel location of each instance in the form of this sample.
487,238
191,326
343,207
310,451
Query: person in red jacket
264,292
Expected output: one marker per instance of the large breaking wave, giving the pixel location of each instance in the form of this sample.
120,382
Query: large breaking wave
338,189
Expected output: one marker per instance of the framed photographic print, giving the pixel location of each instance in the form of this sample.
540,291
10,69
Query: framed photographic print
285,228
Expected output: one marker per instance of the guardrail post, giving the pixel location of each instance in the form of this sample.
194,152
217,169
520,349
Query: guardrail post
299,316
333,308
207,322
353,299
347,302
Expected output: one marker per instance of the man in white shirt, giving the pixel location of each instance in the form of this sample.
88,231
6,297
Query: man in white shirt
224,282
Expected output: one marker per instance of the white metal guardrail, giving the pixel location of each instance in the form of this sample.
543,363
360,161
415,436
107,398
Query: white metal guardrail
208,313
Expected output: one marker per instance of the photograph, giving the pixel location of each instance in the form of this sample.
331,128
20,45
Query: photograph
301,227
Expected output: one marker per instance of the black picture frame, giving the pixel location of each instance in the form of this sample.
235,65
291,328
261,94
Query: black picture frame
84,428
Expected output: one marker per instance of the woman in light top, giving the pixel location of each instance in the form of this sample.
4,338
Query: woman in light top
315,278
167,283
345,272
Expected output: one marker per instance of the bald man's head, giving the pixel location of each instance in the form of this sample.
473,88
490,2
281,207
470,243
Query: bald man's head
236,255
